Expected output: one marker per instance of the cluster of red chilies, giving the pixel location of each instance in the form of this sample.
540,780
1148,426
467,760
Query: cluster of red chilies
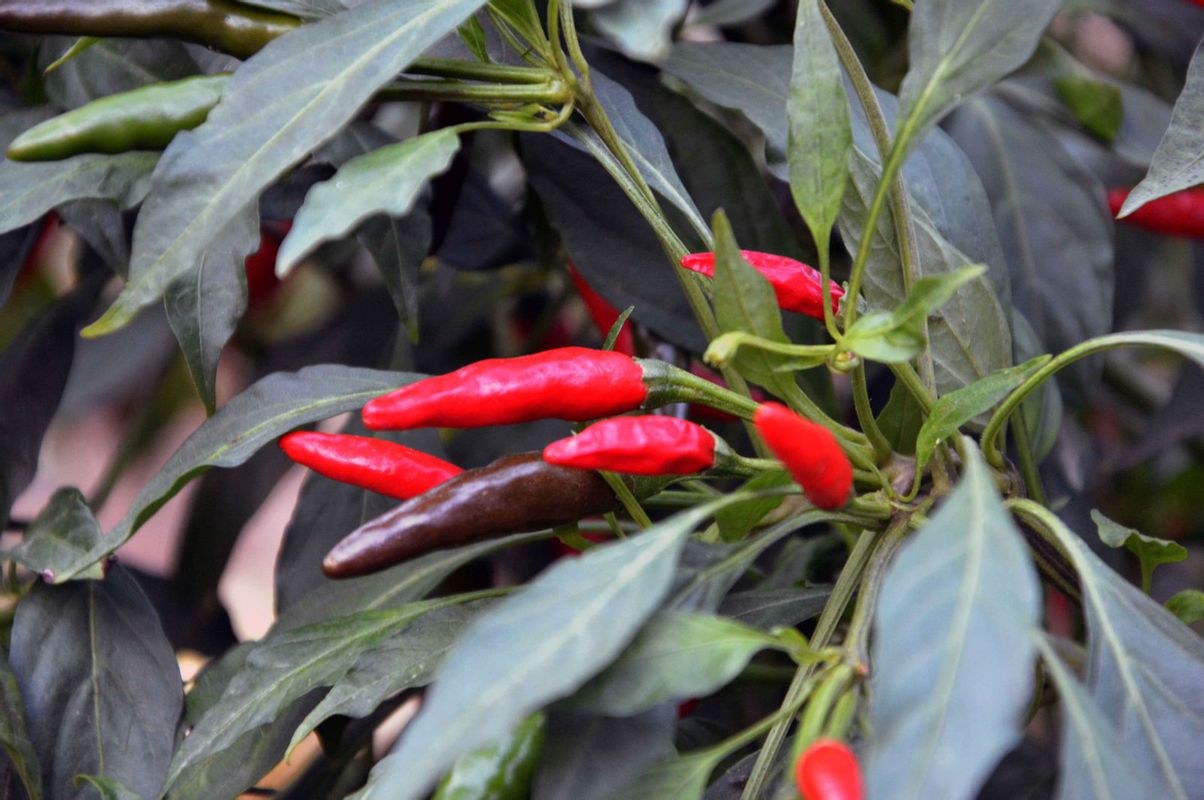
575,384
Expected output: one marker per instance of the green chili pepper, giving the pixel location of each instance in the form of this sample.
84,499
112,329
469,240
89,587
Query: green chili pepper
141,119
223,25
500,771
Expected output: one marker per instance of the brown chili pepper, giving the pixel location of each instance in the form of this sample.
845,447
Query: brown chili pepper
221,24
514,494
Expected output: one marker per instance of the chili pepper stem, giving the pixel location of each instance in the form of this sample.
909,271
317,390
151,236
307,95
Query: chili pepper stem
865,416
630,504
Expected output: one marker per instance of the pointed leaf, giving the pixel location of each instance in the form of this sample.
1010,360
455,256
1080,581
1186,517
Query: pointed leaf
1144,668
385,181
29,190
59,542
1187,605
14,732
820,132
770,608
676,656
93,652
1150,551
1179,161
205,306
953,644
540,644
107,788
290,97
960,47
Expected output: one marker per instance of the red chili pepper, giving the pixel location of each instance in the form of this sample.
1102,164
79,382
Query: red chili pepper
1178,214
637,446
571,383
798,287
603,313
827,770
385,467
262,282
810,452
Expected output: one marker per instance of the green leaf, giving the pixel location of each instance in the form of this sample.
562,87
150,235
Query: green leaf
284,668
960,47
93,655
744,301
281,104
901,419
736,521
499,771
384,181
642,29
677,655
472,33
1144,669
954,621
14,732
270,408
59,543
107,788
1098,106
1150,551
29,190
1179,161
403,661
771,608
1094,763
588,756
540,644
898,335
821,135
1187,605
680,778
729,12
205,306
955,409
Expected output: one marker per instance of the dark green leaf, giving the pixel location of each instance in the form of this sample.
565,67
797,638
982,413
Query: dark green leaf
385,181
954,622
588,756
284,668
676,656
1095,763
1187,605
112,65
1149,550
729,12
268,409
897,335
59,542
1179,161
901,419
738,519
1144,669
1098,106
770,608
93,653
205,306
680,778
14,732
958,48
955,409
281,104
405,660
107,788
820,132
540,645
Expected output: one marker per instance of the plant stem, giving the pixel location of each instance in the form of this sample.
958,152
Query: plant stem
842,592
858,634
865,416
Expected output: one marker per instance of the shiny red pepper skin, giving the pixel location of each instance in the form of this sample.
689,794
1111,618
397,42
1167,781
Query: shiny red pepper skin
798,287
827,770
1178,214
384,467
603,313
262,282
637,446
570,383
810,452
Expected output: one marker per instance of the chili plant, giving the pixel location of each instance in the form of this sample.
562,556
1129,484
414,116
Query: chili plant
723,391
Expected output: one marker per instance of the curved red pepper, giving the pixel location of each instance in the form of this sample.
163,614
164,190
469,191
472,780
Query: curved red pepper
827,770
603,313
797,286
810,452
1177,214
637,446
570,383
385,467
